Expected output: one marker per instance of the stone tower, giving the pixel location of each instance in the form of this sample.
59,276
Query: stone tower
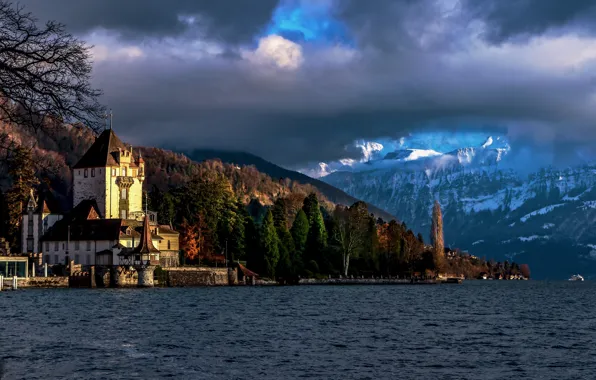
145,257
110,174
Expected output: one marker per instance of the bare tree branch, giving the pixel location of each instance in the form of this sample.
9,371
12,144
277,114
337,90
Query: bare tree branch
44,73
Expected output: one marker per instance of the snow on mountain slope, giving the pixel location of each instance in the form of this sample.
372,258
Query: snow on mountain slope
448,148
411,154
541,217
488,142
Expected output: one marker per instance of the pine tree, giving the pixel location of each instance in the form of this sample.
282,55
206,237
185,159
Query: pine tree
254,259
269,245
317,234
279,211
299,233
436,237
237,242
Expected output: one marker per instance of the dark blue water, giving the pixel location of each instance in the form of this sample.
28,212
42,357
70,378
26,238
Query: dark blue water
478,330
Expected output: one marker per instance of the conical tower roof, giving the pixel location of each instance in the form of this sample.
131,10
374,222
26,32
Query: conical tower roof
146,244
103,152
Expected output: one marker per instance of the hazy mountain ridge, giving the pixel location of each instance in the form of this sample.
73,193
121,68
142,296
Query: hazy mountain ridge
332,193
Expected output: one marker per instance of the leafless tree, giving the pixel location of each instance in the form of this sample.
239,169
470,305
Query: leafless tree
44,73
351,231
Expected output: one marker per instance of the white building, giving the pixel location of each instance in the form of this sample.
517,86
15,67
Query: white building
38,216
108,194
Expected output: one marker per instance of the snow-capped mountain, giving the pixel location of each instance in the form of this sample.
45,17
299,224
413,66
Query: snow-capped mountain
429,150
547,219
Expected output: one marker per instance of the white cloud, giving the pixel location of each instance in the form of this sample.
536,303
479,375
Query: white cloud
277,51
105,52
561,54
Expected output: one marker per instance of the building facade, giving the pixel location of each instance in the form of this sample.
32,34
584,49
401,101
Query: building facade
108,214
38,216
110,174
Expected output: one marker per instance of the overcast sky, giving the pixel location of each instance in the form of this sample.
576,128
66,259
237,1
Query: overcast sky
295,81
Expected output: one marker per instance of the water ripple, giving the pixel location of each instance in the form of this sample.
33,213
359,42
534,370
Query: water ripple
479,330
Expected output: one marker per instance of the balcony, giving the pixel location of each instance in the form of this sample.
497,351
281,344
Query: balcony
122,181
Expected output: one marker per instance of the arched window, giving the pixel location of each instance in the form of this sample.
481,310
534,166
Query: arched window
123,194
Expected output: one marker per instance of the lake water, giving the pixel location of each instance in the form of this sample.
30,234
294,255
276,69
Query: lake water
478,330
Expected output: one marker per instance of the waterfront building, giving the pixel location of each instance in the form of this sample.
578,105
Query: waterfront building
108,212
12,265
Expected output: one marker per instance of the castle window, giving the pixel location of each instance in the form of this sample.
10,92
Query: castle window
77,246
56,261
113,172
56,246
122,214
169,245
88,245
30,227
93,172
99,171
85,173
77,260
45,225
124,172
123,194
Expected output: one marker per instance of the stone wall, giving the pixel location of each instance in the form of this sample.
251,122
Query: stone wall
90,187
123,277
43,282
200,276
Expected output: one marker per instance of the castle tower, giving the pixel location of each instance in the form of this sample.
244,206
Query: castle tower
145,257
110,174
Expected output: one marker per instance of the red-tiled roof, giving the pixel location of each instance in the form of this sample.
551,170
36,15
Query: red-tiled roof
247,272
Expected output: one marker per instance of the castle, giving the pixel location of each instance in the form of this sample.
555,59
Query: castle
107,219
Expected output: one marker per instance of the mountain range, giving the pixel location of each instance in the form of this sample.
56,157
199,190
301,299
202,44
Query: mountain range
545,219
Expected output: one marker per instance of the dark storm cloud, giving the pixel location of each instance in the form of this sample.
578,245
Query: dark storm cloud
413,69
311,115
527,18
230,20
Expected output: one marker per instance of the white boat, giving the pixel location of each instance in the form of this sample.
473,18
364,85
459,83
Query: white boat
576,277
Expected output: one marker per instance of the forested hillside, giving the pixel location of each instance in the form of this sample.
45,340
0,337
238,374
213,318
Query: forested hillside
282,228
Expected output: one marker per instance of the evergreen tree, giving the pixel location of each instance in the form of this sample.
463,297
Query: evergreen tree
162,203
436,237
317,234
269,245
237,240
286,243
279,211
299,233
254,259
